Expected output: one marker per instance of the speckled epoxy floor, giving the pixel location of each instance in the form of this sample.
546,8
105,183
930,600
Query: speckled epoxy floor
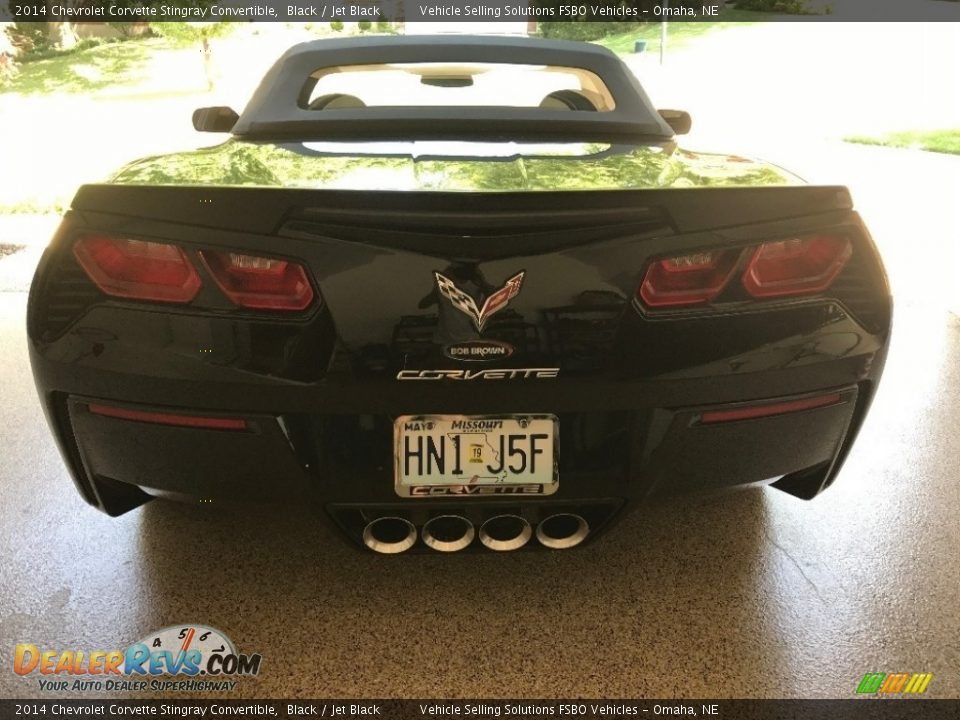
748,594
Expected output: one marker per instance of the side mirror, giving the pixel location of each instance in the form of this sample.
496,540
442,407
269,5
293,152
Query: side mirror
679,120
214,119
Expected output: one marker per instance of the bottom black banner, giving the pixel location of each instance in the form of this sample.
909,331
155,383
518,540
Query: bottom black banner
864,708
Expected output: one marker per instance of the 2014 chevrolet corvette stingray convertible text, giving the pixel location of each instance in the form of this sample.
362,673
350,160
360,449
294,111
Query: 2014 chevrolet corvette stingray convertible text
460,293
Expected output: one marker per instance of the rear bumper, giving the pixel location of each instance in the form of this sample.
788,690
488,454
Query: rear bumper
609,460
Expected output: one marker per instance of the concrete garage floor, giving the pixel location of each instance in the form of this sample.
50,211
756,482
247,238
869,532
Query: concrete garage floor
752,594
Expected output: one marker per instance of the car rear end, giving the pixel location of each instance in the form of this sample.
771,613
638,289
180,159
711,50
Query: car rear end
282,345
496,333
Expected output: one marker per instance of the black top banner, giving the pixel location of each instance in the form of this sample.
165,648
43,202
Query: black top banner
466,11
861,709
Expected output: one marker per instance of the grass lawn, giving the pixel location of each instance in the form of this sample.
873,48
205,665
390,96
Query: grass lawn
77,117
84,71
111,69
74,117
941,141
680,33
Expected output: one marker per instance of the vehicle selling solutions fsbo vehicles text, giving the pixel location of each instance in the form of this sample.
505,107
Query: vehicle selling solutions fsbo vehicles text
574,11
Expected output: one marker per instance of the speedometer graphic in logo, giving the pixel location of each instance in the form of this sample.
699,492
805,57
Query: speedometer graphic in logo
190,637
186,648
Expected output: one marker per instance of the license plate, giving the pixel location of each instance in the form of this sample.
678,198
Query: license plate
482,455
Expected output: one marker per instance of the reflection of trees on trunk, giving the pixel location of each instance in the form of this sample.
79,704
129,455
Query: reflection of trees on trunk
228,164
754,176
294,166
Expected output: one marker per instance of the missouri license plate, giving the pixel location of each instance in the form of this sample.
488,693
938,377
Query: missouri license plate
481,455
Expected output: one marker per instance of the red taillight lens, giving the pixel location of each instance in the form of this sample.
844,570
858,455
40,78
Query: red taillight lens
138,269
687,279
258,282
797,266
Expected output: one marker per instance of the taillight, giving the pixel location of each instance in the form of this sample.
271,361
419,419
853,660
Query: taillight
257,282
797,266
688,279
137,269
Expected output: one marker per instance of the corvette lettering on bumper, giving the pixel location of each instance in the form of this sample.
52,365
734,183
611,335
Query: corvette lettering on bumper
488,374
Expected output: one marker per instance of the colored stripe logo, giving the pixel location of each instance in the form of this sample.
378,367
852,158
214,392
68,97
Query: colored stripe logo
894,683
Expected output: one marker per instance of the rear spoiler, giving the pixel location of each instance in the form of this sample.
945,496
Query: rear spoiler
264,210
276,111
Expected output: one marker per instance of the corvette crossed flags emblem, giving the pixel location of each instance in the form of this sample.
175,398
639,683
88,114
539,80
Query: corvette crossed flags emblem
496,302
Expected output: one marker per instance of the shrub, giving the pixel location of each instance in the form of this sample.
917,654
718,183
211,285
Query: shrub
8,70
130,30
29,37
788,7
336,25
364,25
584,30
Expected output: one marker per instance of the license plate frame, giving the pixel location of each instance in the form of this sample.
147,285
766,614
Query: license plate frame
483,484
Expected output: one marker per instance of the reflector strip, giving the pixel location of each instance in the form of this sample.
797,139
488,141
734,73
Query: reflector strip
758,411
157,418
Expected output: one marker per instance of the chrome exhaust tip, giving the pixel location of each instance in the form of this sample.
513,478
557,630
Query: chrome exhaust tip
505,532
389,535
448,533
562,531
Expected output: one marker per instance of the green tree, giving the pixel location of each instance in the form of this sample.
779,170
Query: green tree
789,7
127,29
589,27
195,33
27,37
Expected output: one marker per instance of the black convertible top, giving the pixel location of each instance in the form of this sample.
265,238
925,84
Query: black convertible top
276,112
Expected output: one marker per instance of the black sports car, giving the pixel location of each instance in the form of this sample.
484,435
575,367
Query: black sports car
460,293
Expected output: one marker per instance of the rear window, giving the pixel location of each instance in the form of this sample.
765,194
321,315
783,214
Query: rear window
456,85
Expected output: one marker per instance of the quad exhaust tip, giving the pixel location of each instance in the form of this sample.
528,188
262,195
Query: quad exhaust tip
505,532
562,531
389,535
448,533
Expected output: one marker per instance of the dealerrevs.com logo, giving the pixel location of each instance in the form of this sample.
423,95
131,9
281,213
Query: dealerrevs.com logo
180,657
